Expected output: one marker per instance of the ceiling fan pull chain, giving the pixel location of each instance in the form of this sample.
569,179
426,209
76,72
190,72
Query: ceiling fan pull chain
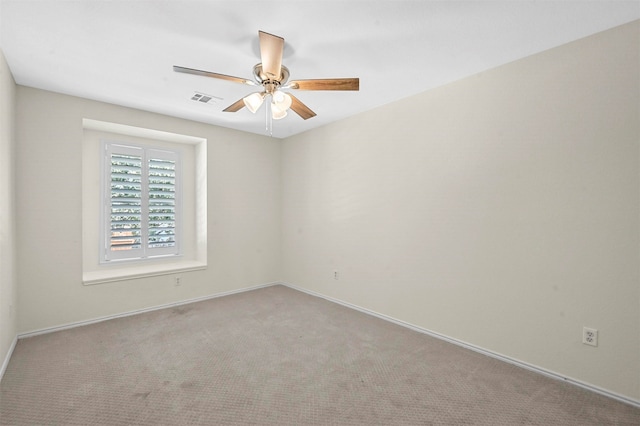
269,117
266,117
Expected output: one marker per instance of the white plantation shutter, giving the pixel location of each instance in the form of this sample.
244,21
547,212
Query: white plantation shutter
161,237
124,202
141,202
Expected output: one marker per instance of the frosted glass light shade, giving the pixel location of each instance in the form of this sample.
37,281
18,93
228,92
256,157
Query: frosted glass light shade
282,100
280,103
277,113
253,101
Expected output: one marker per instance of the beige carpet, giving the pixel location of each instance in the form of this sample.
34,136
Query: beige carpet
277,356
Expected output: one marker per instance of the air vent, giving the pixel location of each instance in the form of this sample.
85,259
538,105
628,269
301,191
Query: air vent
205,99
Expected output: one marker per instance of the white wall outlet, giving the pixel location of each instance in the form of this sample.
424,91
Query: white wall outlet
335,275
590,336
177,281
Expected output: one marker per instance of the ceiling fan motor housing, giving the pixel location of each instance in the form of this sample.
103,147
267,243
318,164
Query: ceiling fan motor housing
270,84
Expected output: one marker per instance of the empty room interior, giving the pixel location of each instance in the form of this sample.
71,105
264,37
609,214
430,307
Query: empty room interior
432,216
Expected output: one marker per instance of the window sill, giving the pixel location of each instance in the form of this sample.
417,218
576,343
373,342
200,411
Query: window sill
144,271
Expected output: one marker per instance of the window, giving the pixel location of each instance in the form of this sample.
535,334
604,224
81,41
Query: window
141,208
144,246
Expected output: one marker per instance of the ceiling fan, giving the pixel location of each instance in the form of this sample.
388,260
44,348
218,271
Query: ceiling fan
273,77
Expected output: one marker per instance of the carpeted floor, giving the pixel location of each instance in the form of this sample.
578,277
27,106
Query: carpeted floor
276,356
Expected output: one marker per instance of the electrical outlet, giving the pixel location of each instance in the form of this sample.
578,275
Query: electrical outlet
590,336
177,281
335,275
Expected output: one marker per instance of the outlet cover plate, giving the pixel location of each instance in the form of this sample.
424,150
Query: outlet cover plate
590,336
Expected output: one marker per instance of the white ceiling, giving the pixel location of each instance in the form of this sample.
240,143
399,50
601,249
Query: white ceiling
122,52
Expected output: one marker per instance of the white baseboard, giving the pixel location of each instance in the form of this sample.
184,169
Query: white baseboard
5,363
474,348
138,311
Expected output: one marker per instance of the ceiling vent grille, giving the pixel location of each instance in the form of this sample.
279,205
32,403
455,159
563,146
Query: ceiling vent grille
205,99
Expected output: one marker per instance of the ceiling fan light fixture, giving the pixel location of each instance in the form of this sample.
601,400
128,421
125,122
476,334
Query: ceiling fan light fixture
282,100
254,101
277,113
280,103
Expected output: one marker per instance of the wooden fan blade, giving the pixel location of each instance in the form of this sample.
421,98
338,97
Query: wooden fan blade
301,109
326,84
237,106
214,75
271,49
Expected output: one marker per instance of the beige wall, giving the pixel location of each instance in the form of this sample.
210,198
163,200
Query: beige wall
8,280
243,213
501,210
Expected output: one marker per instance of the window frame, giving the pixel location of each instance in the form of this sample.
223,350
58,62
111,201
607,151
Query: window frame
145,152
194,243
